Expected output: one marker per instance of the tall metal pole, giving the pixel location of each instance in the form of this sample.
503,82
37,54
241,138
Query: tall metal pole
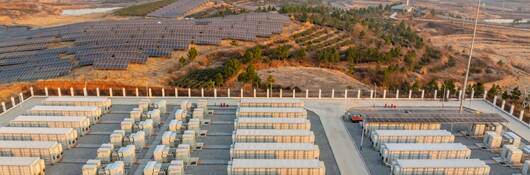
469,59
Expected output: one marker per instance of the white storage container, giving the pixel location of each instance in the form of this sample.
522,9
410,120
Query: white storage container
50,152
492,140
185,105
143,104
116,168
127,125
183,152
116,138
202,104
147,127
275,166
511,138
511,154
392,151
94,162
162,106
127,155
175,125
67,137
136,114
440,166
194,124
89,169
198,113
102,102
92,112
270,102
189,137
81,124
179,114
152,168
138,139
272,123
104,154
155,116
273,135
410,136
169,138
176,167
274,151
21,166
368,127
478,129
161,153
271,112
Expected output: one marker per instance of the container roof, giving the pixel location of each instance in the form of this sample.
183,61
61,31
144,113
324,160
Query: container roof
35,130
412,132
50,118
434,116
417,146
273,132
275,146
270,100
75,99
275,163
440,163
270,120
65,108
21,161
26,144
271,109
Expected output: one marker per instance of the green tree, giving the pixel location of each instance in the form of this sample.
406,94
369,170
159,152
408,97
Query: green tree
270,81
432,86
449,85
210,84
494,91
515,94
351,68
231,67
478,88
219,80
182,61
299,54
192,53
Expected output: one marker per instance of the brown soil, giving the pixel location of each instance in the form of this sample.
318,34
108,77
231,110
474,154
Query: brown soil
310,78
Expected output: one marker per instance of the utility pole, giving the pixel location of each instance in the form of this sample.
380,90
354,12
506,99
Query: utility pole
469,59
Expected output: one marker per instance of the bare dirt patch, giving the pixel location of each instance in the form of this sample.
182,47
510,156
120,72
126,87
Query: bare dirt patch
311,78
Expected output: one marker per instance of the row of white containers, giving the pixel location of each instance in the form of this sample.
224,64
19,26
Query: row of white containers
393,151
380,137
51,152
21,166
270,102
67,137
271,112
81,124
368,127
440,166
272,123
104,103
92,112
273,137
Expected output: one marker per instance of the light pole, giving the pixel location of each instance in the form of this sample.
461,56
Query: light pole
469,59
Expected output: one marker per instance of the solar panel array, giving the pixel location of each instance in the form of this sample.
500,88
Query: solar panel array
33,54
177,9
